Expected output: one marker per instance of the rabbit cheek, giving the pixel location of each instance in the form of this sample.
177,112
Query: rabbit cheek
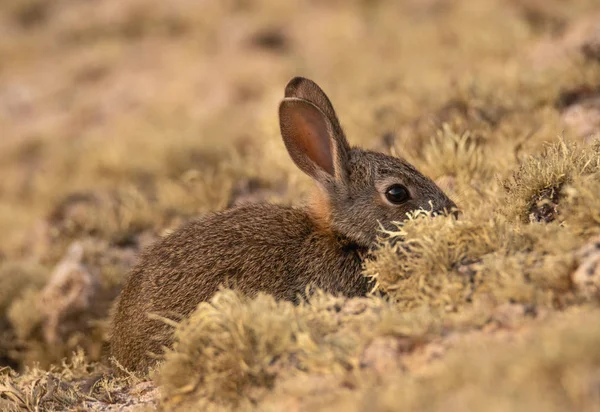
393,213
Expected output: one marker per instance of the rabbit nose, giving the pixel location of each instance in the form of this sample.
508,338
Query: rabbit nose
453,210
455,213
450,210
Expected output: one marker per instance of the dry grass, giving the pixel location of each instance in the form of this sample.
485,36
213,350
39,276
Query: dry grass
121,120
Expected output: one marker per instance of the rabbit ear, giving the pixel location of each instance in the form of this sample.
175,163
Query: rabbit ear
308,137
302,88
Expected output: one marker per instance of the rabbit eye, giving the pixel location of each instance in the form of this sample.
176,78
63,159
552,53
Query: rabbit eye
397,194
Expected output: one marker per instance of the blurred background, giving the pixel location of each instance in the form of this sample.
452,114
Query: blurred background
119,120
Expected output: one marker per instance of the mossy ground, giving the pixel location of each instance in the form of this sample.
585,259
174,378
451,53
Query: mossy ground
121,120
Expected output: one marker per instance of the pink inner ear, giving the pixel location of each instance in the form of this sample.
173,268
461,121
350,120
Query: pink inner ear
312,136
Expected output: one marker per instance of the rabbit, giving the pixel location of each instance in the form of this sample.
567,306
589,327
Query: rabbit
272,248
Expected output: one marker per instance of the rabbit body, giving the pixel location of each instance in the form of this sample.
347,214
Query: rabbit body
275,249
271,248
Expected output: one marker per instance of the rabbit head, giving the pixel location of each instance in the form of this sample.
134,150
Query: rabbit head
359,190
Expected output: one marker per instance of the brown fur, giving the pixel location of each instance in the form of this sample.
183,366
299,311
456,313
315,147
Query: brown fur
275,249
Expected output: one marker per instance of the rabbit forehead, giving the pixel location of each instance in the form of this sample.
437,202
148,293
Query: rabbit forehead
374,168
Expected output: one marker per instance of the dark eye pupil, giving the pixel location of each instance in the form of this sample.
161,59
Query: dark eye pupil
397,194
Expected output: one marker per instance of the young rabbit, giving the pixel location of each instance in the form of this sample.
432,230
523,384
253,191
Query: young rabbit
276,249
